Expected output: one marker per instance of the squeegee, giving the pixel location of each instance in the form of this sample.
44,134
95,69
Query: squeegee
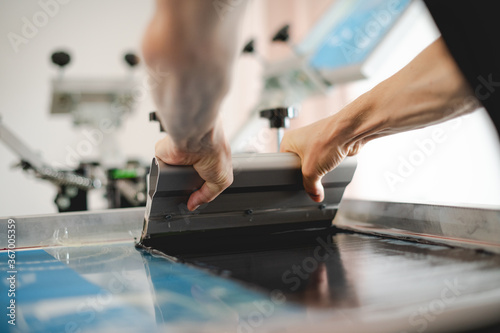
266,198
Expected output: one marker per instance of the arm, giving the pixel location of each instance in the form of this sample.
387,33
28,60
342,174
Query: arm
429,90
196,46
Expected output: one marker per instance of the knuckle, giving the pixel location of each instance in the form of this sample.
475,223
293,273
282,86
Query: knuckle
224,177
229,179
211,193
224,180
309,172
158,148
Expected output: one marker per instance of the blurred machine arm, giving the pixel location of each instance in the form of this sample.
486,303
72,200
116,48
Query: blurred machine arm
72,185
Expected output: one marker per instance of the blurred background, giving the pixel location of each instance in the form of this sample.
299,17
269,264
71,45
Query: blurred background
453,163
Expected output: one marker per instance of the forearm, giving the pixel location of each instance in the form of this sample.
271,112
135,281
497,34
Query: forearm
189,41
188,109
429,90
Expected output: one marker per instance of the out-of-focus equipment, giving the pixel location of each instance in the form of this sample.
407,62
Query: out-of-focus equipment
99,104
125,186
249,47
154,117
72,184
131,59
60,58
98,107
282,35
351,40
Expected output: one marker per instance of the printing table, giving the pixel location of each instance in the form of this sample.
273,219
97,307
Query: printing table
81,272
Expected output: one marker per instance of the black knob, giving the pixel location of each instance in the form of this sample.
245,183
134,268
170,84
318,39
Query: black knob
131,59
278,117
249,47
154,117
60,58
282,35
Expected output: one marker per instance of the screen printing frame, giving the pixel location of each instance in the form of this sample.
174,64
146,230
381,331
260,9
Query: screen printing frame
123,225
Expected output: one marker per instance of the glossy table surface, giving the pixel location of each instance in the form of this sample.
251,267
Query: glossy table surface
350,282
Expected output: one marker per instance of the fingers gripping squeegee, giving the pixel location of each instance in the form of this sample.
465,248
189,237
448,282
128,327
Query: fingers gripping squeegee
267,196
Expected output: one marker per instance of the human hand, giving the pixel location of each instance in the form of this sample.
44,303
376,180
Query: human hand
210,157
429,90
321,147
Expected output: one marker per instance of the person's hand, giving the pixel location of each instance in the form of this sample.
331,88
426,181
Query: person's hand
211,158
189,50
429,90
320,151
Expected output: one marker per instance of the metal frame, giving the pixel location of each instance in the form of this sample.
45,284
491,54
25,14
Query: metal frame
476,228
75,228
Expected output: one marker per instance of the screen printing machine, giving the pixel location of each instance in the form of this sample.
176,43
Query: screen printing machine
262,257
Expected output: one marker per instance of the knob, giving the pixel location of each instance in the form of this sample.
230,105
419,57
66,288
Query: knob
282,35
279,117
131,59
60,58
249,47
154,117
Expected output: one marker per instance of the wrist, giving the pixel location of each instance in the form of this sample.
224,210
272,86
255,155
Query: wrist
192,142
358,122
207,140
189,107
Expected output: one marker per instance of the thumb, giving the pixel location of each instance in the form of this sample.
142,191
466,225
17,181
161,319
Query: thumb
313,186
204,195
